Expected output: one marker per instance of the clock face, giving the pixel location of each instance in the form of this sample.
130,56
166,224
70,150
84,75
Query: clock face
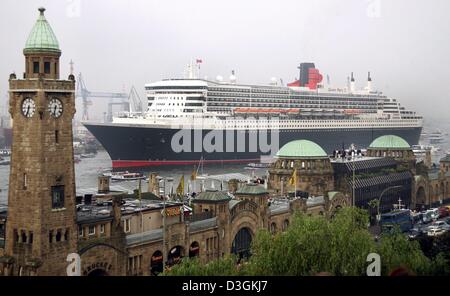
28,107
55,107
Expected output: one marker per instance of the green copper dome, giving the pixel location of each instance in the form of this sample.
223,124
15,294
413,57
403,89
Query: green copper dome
211,196
42,37
389,142
301,149
251,189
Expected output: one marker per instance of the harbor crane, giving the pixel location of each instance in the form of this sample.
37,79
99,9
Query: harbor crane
125,100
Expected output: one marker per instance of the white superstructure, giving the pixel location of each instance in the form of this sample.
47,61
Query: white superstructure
219,104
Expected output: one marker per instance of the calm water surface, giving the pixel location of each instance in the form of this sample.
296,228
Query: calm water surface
88,170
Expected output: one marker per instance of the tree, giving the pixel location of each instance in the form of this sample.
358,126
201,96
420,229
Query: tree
226,266
397,251
315,244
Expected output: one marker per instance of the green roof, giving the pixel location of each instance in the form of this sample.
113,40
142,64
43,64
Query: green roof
302,149
212,196
41,36
251,189
389,142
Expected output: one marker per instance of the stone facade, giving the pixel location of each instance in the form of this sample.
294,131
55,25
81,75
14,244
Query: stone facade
41,227
313,175
432,185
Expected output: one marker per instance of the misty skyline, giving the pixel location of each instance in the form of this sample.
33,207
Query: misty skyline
117,44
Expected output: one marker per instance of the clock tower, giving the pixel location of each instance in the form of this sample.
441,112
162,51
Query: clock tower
41,224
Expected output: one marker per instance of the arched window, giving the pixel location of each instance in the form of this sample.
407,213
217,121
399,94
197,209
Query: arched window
285,224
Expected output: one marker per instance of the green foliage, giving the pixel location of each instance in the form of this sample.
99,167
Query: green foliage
440,265
373,203
397,251
315,244
226,266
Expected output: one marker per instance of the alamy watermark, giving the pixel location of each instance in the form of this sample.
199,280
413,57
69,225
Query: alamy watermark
73,8
242,135
374,267
373,8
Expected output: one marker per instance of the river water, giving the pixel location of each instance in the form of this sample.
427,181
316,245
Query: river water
88,170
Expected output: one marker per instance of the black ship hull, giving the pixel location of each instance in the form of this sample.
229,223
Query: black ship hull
140,147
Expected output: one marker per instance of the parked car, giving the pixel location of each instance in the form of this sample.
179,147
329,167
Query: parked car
414,233
427,217
436,232
441,225
416,217
434,213
444,212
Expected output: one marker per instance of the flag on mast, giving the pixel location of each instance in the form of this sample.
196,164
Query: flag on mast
180,188
140,190
293,179
194,175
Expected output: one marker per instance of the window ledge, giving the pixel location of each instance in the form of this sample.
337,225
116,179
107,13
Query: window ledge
59,210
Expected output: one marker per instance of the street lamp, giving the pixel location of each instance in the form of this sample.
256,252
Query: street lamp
381,195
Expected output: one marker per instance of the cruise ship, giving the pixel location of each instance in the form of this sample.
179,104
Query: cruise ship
215,121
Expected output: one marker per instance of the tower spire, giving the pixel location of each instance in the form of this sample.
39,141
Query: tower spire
71,67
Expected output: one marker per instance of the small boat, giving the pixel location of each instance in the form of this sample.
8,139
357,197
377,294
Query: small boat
257,166
4,161
125,176
88,155
5,152
436,137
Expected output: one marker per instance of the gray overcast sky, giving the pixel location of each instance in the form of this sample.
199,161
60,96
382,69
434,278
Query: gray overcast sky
117,43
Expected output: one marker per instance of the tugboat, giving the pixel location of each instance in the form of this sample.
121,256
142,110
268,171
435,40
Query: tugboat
88,155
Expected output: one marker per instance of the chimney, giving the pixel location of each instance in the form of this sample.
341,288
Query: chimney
88,199
79,200
117,210
103,184
153,184
352,84
369,83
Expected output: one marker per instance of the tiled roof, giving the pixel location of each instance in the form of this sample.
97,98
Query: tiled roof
211,196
